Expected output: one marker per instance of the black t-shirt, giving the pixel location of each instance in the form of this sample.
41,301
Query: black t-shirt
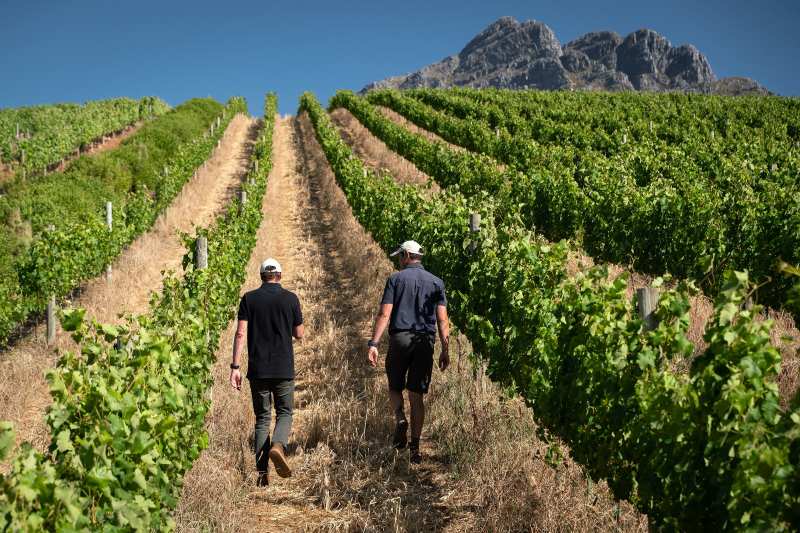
272,313
415,294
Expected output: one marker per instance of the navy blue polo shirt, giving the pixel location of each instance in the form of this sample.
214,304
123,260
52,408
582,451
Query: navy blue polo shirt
272,313
415,294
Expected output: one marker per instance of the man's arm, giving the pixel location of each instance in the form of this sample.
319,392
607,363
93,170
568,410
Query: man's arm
298,330
443,324
238,342
381,321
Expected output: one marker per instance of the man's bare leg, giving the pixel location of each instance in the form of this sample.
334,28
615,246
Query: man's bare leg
396,402
401,424
417,420
417,414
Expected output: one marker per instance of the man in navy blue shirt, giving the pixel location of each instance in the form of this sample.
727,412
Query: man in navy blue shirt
414,306
271,316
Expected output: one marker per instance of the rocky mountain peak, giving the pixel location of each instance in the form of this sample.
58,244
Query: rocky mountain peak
508,38
511,54
597,46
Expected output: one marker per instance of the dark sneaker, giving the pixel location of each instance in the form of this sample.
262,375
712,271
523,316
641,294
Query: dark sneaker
279,460
263,479
400,434
413,452
414,456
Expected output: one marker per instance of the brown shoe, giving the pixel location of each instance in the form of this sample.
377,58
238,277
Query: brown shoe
279,460
263,479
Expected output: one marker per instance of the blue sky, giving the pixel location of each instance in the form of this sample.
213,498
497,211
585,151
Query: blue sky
71,50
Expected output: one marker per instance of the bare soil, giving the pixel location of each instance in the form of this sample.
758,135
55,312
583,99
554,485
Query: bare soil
136,274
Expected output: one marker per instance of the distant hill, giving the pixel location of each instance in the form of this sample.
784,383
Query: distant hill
525,55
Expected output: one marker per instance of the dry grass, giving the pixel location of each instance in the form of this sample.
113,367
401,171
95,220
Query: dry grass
302,235
501,467
374,152
400,120
137,272
491,442
784,333
223,476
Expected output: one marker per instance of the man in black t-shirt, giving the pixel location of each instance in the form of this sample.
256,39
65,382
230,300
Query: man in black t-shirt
414,307
271,316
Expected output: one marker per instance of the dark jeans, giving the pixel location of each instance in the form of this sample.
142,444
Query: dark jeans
265,392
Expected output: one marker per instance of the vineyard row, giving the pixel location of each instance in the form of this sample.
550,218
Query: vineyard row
707,448
128,413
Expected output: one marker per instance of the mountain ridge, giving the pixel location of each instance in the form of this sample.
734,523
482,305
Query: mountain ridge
528,55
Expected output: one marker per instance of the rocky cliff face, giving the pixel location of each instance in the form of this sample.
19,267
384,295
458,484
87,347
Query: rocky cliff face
516,55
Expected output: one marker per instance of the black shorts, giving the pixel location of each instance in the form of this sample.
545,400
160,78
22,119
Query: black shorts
409,363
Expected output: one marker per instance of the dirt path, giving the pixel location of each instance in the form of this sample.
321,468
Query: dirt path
224,474
109,142
103,144
339,442
137,272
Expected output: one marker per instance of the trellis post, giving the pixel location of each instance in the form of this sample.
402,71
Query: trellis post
51,320
474,228
201,253
647,301
110,225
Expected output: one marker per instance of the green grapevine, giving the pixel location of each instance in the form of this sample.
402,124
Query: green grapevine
640,202
141,178
128,412
34,138
708,448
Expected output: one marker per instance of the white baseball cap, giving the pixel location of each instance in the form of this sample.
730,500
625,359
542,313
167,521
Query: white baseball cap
270,265
411,247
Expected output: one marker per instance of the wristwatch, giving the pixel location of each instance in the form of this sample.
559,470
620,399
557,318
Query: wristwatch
234,367
372,344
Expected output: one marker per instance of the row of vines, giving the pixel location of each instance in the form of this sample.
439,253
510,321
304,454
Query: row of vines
708,448
128,412
661,202
34,138
55,234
